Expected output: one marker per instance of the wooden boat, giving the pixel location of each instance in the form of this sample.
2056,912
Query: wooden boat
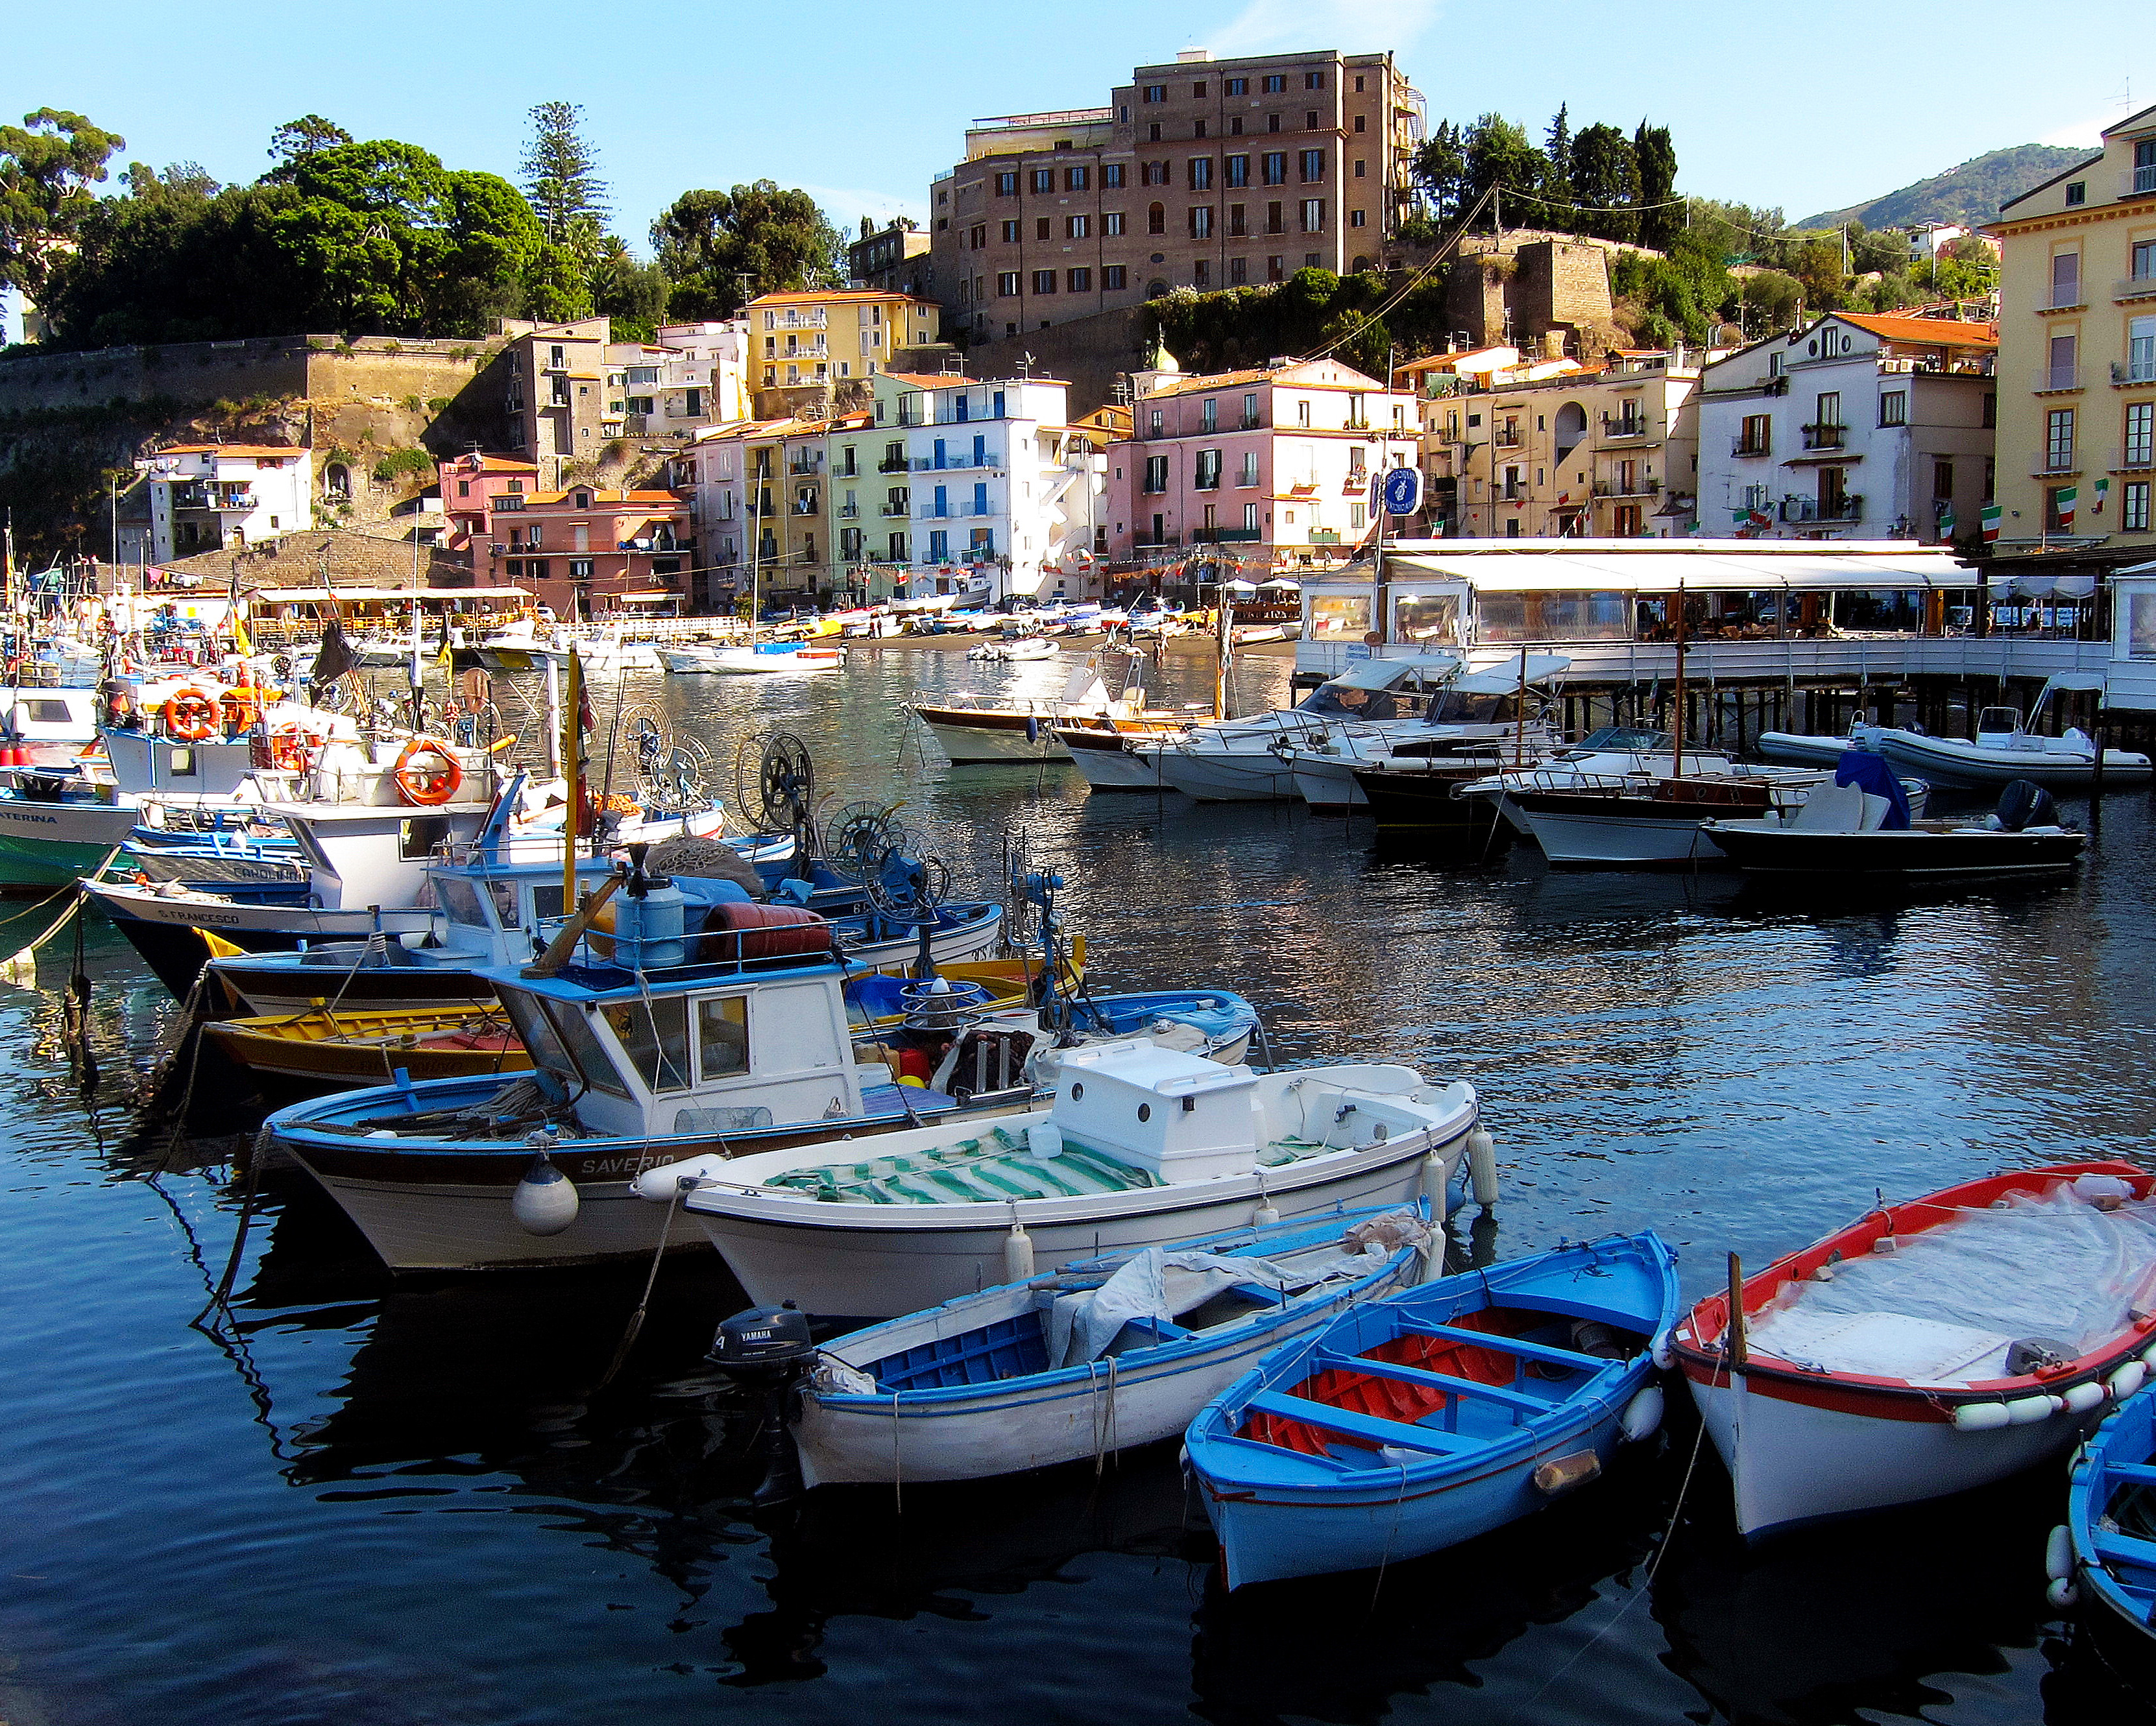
1097,745
1107,1353
763,659
1143,1146
1412,1423
1930,1346
2105,1553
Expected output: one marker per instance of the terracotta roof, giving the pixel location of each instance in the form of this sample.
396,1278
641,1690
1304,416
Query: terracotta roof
927,380
814,294
474,462
602,499
244,451
1231,380
1935,332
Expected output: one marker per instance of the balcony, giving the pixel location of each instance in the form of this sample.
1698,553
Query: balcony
1225,535
981,509
2138,181
2132,372
850,512
1627,489
1743,446
214,494
802,464
1615,429
1325,536
893,464
1252,422
1847,508
2049,378
893,510
935,512
2135,288
1512,440
804,507
1824,437
2065,296
1144,544
1358,422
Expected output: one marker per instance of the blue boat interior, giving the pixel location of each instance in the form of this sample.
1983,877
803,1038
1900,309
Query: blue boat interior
2118,1511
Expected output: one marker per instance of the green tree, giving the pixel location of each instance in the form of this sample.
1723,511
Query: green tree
721,249
1655,154
181,179
562,174
1500,154
48,165
1817,267
633,293
296,139
1605,176
1441,166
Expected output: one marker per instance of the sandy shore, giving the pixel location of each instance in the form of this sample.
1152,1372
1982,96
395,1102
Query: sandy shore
1178,647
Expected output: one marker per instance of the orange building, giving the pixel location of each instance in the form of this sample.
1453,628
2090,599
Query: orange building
588,550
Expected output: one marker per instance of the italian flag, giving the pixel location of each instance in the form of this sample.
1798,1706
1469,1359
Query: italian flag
1991,515
2102,491
1946,522
2069,495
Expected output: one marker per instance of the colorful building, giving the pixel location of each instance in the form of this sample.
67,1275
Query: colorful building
585,550
803,345
469,485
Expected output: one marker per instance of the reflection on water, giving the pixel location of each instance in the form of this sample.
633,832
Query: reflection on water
368,1499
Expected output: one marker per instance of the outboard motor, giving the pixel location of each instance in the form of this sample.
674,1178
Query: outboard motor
2024,804
768,1349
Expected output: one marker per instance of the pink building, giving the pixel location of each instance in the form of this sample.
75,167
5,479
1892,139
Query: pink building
469,484
588,550
1274,464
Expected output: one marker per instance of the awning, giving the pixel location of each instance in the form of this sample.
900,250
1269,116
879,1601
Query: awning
660,598
1383,673
1286,585
2041,587
403,596
2075,680
1505,675
1701,571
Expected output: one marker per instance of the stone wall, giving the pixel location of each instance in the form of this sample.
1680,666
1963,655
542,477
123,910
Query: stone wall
1089,354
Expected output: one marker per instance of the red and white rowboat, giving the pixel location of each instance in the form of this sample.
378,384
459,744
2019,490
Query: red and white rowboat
1817,1437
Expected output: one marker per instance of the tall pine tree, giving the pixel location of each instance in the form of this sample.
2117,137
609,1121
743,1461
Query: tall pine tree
562,174
1656,156
1556,179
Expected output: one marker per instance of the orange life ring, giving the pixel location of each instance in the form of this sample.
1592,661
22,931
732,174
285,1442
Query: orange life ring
428,785
239,707
190,714
289,745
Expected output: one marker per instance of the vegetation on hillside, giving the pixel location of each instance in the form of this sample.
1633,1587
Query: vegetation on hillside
1968,194
1596,180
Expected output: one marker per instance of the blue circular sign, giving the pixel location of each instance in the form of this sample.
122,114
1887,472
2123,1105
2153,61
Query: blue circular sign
1403,490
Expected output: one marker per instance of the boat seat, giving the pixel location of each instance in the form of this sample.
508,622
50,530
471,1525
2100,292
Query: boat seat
1369,1428
1444,1381
1876,812
1543,1352
2111,1549
1831,809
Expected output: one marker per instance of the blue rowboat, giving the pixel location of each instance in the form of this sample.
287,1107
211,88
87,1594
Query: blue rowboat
1107,1353
1438,1413
2111,1518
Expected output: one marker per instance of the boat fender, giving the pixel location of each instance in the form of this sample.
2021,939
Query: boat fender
1482,1167
1043,1139
1561,1474
2148,1355
2080,1400
1886,1243
1643,1415
1435,1184
545,1201
2127,1380
2027,1410
1017,1254
1980,1418
2059,1554
1662,1355
2062,1594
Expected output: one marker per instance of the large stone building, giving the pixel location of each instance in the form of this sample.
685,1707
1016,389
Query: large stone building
1202,173
2077,349
894,258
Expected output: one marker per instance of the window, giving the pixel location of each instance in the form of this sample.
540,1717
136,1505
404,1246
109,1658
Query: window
2059,439
1112,223
1152,133
1043,180
1238,269
1276,266
1077,179
1358,127
722,1036
2140,448
1080,281
1893,408
2066,279
1238,170
1209,414
1355,515
2140,351
1249,518
1156,473
580,568
1040,227
1239,221
2144,260
2134,516
1201,173
1201,273
1007,284
1201,221
1360,168
1114,277
1355,218
2058,502
2077,192
1198,129
1250,475
1207,474
1274,164
1310,121
1312,166
1989,419
655,1035
1758,436
939,545
1198,91
1153,173
1235,125
1313,215
1155,93
1111,174
1302,413
2064,370
1313,80
1006,187
1275,82
1275,224
1043,281
1272,122
1155,218
1010,233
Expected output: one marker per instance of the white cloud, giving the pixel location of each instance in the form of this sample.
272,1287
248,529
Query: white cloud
2081,134
1274,26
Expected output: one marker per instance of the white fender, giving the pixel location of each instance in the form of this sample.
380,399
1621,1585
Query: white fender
2062,1594
2082,1398
1980,1418
1017,1254
1482,1167
2027,1410
2127,1380
1661,1353
1643,1415
2148,1355
1434,1187
660,1185
545,1201
2059,1554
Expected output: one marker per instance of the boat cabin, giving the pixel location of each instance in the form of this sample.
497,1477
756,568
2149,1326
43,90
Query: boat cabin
505,911
364,856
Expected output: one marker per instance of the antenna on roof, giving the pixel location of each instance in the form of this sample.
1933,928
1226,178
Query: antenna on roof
1025,366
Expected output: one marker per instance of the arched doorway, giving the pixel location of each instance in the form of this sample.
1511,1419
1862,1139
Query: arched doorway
1571,427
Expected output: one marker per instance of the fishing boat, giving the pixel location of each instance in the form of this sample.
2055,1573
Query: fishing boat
973,730
1104,1354
2105,1553
1143,1146
762,659
1844,832
1099,746
1416,1421
1930,1346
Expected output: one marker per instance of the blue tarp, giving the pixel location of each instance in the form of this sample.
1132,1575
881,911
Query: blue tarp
1876,775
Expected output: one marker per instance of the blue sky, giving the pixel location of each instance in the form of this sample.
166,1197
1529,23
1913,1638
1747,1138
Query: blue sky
1806,108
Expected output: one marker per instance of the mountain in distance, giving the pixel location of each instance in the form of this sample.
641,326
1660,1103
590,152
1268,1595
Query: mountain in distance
1969,194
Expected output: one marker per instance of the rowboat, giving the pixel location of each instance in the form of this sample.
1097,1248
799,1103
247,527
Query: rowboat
2106,1552
1930,1346
764,659
1413,1422
1107,1353
1143,1146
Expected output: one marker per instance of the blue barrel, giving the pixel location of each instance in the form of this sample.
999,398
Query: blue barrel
651,932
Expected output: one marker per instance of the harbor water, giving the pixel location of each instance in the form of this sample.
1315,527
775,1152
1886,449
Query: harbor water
382,1501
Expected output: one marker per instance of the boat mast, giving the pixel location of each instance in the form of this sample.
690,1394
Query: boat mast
572,747
1520,714
1676,770
755,538
1224,650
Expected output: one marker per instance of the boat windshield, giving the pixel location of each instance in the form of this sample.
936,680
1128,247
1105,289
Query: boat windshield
537,1036
1340,699
1454,706
589,1054
655,1035
459,900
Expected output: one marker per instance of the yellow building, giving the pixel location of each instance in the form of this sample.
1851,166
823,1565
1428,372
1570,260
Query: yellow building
2077,349
800,344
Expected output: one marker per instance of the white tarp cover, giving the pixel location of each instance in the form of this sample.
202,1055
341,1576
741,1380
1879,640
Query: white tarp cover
1503,676
1694,571
1945,1307
1383,673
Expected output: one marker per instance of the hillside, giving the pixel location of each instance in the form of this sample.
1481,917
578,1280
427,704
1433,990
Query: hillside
1970,193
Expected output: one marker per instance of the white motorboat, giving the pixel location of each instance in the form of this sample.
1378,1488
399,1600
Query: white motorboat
1798,749
1492,707
1026,647
1844,833
975,730
1248,760
1929,1347
764,659
1100,748
1142,1147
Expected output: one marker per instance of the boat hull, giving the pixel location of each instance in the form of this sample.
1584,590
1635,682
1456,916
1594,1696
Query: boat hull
1226,775
1767,849
47,845
994,737
1797,748
1958,765
1107,765
1588,833
907,1258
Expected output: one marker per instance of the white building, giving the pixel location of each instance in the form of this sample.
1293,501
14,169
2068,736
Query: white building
997,495
1858,427
208,497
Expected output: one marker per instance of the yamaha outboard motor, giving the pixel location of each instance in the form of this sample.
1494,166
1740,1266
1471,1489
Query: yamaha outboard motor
768,1350
2024,803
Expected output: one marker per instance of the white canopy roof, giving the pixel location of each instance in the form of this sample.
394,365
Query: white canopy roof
1814,569
1500,676
322,595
